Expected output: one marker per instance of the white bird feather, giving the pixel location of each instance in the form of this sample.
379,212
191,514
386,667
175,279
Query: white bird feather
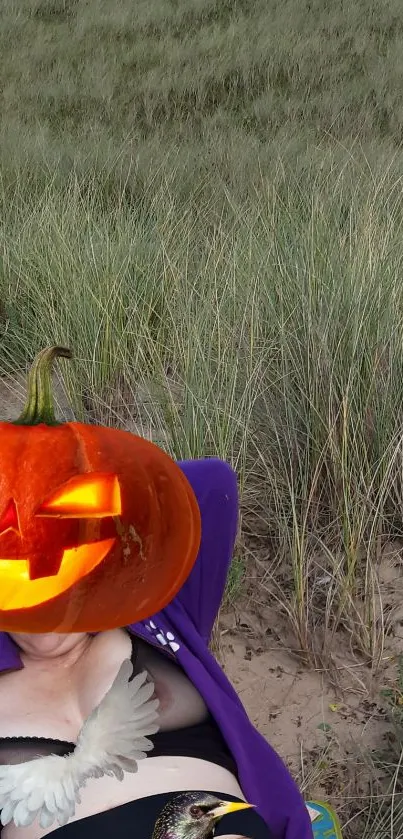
111,742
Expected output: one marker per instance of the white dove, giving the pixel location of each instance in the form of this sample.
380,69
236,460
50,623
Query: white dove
111,741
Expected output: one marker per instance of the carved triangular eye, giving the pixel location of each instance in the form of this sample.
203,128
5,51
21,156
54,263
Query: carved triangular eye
9,519
94,495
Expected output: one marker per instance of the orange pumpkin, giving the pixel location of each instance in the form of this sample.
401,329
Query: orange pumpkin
99,528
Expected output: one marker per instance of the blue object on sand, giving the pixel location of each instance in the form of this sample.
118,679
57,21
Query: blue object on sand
326,824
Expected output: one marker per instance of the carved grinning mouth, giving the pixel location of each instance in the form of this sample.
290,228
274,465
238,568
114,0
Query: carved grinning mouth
18,591
93,495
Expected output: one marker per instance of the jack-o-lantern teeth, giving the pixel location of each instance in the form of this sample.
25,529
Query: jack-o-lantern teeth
94,495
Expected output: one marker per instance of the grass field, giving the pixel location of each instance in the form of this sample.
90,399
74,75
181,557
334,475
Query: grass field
203,198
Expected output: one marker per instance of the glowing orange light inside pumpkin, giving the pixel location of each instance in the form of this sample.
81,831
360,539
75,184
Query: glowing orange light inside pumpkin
93,495
19,592
85,496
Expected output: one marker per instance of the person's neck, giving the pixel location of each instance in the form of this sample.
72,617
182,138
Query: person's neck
63,660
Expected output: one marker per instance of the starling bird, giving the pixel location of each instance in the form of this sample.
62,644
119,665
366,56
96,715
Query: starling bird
193,816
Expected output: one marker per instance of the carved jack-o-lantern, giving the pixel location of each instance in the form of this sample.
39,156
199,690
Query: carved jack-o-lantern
98,527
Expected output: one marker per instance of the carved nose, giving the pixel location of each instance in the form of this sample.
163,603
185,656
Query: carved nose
9,518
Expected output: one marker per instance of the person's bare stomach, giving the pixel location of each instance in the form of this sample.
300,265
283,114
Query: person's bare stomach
155,775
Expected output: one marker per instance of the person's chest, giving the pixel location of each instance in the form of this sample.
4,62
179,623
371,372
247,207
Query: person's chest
54,701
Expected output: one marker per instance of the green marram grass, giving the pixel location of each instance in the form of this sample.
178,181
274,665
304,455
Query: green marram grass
271,337
203,198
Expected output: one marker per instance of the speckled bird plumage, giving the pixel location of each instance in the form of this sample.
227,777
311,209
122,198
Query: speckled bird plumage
177,822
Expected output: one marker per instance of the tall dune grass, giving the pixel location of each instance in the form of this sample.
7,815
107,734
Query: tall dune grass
203,198
270,335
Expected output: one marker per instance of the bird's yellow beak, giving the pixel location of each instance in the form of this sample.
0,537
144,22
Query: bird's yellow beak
226,807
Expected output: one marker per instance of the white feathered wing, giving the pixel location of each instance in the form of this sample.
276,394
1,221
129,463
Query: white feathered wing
112,740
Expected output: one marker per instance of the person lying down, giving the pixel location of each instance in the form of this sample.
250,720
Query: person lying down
101,733
137,731
131,731
92,744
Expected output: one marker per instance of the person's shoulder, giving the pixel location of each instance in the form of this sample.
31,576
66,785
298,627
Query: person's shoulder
113,643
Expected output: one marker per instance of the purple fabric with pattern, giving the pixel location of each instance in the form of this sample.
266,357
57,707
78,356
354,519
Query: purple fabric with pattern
184,627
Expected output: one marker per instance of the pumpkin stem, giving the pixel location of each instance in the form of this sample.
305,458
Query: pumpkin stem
39,406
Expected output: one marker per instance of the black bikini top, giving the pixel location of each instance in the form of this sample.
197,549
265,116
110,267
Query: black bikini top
203,741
